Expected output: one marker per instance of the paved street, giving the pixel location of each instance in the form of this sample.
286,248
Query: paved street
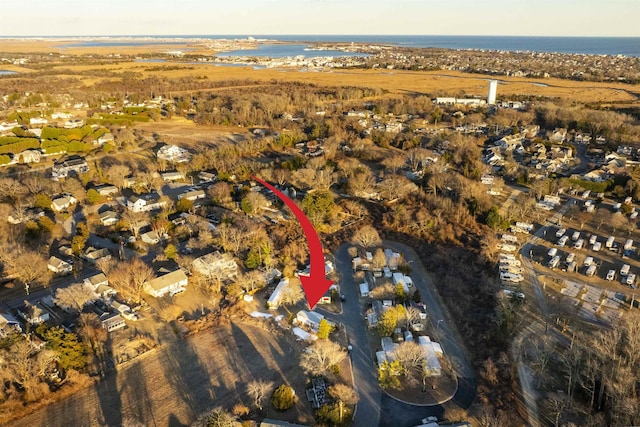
376,408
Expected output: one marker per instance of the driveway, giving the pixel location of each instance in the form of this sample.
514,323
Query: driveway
376,408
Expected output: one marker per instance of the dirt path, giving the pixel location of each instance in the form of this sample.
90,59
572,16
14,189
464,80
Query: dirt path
173,385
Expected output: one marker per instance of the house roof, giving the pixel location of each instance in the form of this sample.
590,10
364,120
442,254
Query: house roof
97,279
57,262
162,282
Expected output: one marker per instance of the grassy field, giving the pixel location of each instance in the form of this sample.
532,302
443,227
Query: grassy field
433,83
174,384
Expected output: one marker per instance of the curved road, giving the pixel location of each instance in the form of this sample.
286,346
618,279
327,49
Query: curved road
376,408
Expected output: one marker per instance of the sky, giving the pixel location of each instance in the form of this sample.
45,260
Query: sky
266,17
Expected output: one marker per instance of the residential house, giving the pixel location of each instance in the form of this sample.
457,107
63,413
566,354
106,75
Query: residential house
596,175
274,300
100,285
173,153
192,195
310,319
430,351
558,136
171,283
215,264
38,121
59,266
171,176
75,164
105,138
7,322
73,124
61,115
92,254
151,237
29,156
35,314
112,321
4,126
205,176
144,202
107,190
19,216
108,218
123,309
63,202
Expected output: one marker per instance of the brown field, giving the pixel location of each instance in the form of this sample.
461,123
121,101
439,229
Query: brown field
173,385
433,83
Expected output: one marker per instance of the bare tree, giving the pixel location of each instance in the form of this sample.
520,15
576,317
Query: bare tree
411,357
29,266
136,220
321,356
367,236
379,258
128,278
117,175
292,293
26,366
344,394
258,391
74,297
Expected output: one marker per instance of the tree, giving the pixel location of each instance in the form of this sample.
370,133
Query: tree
389,375
170,251
379,258
366,236
292,293
42,201
324,329
28,266
74,297
217,418
135,220
24,365
93,196
258,390
184,205
387,323
401,294
92,332
344,394
70,351
128,278
283,398
321,356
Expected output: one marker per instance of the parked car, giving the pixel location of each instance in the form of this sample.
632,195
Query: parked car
561,232
611,275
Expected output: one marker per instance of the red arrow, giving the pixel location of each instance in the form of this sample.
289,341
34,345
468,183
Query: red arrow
316,284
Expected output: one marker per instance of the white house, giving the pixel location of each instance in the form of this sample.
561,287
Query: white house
171,283
215,264
108,218
62,202
310,319
100,285
112,321
173,153
93,255
59,266
144,202
274,300
192,195
171,176
107,137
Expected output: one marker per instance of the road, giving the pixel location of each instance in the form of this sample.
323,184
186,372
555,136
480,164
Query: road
376,408
524,375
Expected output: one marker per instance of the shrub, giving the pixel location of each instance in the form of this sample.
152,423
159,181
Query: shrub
184,205
93,196
42,201
170,251
283,398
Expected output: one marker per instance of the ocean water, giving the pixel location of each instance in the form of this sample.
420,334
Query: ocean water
7,73
271,50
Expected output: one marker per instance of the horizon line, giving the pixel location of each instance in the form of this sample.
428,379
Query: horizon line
246,35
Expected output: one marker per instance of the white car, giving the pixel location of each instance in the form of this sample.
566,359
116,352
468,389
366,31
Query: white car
593,239
570,257
597,246
624,270
561,232
611,275
631,279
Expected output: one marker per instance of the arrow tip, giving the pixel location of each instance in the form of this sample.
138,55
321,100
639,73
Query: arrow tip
314,288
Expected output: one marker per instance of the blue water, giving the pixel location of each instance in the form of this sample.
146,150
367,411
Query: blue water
7,73
629,46
271,50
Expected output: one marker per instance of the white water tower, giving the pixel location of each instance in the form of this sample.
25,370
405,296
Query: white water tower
493,90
